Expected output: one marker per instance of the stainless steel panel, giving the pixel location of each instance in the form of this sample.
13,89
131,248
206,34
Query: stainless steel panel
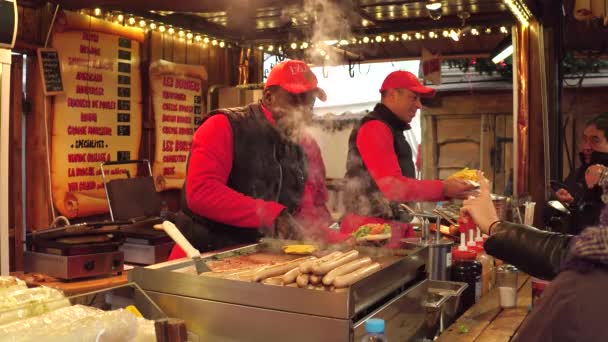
305,301
416,314
343,305
146,254
76,266
216,321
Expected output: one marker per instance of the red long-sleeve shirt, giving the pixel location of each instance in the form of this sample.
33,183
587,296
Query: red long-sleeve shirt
208,194
375,144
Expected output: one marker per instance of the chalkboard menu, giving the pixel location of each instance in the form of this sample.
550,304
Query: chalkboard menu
48,59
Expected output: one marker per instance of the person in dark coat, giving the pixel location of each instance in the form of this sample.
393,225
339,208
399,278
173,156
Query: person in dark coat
573,306
584,203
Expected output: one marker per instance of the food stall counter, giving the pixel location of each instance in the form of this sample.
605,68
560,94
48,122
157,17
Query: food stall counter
487,321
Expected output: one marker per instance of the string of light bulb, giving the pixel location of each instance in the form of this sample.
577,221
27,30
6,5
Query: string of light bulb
181,34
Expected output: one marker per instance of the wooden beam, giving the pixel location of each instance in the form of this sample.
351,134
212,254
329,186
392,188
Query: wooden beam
192,6
386,26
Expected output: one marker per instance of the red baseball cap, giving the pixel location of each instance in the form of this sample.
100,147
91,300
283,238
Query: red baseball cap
406,80
295,77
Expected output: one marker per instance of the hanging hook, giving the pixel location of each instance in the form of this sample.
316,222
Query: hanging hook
368,68
351,68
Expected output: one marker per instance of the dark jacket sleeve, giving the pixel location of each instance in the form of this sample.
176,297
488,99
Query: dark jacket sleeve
536,252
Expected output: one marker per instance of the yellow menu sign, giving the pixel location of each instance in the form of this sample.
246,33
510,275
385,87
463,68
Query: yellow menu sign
177,102
97,119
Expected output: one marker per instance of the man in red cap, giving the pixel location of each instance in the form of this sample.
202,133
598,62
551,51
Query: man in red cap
380,172
253,173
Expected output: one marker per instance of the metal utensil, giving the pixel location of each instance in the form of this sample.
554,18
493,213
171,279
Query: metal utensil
185,245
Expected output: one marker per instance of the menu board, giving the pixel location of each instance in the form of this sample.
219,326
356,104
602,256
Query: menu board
98,118
177,102
48,60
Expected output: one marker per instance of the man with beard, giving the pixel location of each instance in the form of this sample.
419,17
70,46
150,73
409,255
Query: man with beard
252,171
380,172
585,204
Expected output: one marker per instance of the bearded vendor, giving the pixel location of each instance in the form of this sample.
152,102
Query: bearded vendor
253,172
380,172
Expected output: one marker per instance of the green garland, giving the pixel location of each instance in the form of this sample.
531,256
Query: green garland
484,66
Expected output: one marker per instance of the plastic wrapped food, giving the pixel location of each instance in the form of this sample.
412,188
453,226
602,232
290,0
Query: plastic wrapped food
146,331
75,323
10,284
27,303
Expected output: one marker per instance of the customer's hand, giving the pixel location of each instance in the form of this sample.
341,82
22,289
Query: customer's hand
287,228
593,175
481,208
564,196
458,188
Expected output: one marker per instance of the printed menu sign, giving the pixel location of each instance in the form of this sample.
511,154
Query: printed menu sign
98,118
176,91
48,60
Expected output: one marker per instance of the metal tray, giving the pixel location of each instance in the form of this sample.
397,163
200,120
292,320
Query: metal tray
406,267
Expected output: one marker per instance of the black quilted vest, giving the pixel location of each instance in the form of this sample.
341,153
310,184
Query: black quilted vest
265,165
361,194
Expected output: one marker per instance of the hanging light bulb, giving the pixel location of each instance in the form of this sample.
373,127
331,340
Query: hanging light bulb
378,39
366,39
222,44
261,47
431,34
294,45
503,29
391,37
152,26
404,36
418,35
488,30
97,12
304,45
446,33
270,48
142,23
181,33
162,28
198,38
206,40
433,5
171,30
343,42
120,18
214,42
189,35
131,21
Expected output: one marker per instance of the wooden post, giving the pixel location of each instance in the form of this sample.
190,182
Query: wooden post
38,211
15,159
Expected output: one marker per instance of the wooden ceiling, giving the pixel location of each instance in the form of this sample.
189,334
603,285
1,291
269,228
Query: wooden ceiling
284,21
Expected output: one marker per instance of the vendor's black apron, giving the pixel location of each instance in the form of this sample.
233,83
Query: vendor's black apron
265,165
361,193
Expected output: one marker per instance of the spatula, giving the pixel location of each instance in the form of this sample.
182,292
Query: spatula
185,245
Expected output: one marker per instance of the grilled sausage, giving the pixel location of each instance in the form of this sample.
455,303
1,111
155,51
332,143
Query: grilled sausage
351,278
314,279
277,281
291,276
346,268
302,280
306,267
278,269
324,267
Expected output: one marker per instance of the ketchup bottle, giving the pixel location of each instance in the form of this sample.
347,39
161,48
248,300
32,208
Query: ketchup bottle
466,269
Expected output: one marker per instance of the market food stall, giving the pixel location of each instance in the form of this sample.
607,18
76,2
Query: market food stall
125,84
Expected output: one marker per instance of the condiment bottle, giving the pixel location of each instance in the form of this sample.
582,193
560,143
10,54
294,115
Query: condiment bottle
466,269
506,281
487,265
